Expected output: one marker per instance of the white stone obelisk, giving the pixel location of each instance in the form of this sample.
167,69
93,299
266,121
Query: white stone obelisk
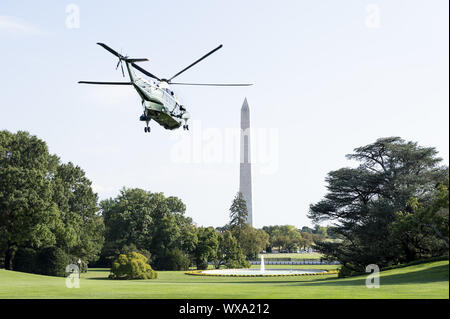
245,178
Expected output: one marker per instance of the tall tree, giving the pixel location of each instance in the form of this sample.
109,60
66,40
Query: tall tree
128,220
28,217
362,201
206,250
83,226
252,241
229,253
238,215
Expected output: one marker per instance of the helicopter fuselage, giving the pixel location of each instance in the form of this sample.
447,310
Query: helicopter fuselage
159,102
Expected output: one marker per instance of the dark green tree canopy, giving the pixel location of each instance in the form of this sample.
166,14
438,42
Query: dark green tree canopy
43,202
208,242
362,201
149,221
229,253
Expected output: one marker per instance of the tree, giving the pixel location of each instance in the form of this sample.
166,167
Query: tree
422,230
128,220
28,217
150,221
229,253
188,240
285,237
320,231
206,250
252,241
44,203
51,261
82,234
307,240
238,215
175,259
362,201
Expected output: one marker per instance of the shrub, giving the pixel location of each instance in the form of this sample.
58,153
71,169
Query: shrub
202,264
175,260
347,270
132,266
25,260
238,264
51,261
83,266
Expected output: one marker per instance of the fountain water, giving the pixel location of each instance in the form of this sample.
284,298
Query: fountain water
261,268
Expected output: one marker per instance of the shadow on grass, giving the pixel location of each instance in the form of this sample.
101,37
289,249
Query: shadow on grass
427,275
98,270
98,278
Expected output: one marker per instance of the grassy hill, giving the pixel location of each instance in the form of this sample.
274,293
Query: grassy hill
429,280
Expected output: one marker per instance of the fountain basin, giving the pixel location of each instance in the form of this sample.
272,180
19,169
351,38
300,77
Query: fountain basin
257,272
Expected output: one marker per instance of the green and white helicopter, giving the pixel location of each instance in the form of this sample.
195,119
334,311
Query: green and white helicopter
158,100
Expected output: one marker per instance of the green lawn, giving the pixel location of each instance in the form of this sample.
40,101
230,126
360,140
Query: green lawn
420,281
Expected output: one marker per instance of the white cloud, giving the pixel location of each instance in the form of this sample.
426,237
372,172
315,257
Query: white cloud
15,25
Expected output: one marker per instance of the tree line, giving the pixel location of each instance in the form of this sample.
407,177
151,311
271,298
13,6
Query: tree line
50,217
392,208
48,210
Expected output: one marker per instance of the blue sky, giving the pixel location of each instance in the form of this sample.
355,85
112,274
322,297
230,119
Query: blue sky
327,79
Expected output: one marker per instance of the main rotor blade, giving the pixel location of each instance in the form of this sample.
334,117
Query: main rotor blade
211,84
137,67
110,50
203,57
106,83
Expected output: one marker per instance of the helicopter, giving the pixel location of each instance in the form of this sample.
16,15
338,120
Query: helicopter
159,102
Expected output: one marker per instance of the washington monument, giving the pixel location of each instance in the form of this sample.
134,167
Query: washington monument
245,178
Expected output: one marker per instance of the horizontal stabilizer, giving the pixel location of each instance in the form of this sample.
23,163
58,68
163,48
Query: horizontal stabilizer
106,83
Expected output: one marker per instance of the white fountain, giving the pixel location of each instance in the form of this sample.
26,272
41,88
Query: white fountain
261,268
262,271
